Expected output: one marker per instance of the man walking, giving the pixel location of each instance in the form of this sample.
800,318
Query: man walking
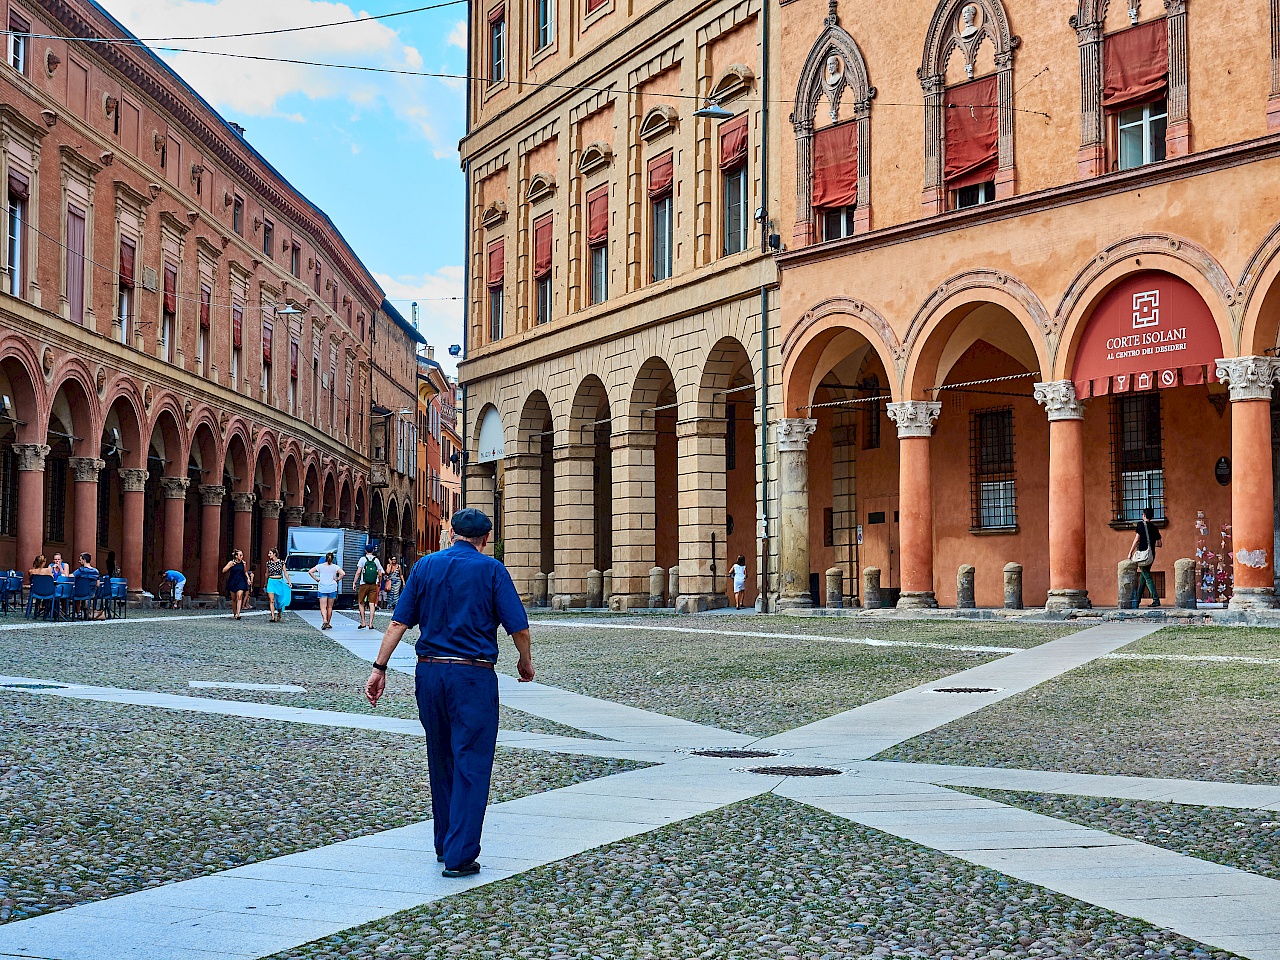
457,598
368,576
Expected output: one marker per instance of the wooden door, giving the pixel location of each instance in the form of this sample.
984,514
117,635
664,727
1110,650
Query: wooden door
879,520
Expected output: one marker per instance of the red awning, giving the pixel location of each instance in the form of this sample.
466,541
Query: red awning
598,215
497,264
733,143
594,5
237,326
128,254
206,300
835,166
497,13
661,174
972,133
268,332
170,290
542,247
19,186
293,359
1135,65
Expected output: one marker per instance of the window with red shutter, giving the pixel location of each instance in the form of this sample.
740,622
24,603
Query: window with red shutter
268,332
237,326
293,359
1135,65
542,247
170,289
971,120
128,257
661,175
206,305
733,143
497,264
598,215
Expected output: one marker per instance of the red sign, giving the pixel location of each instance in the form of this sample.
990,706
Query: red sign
1150,331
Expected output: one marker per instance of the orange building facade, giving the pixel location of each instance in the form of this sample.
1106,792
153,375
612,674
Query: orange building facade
1007,329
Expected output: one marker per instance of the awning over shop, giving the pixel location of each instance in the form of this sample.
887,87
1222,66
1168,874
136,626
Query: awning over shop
1151,331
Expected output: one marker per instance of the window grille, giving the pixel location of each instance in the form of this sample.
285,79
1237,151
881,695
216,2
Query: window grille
871,431
8,492
992,475
1137,456
731,437
55,500
104,507
828,527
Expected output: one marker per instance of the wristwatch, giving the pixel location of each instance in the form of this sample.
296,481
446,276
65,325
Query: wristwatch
380,666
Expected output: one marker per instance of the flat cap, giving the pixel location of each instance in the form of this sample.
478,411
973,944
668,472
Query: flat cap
470,522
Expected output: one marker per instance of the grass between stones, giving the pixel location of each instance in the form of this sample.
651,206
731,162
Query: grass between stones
1260,642
753,685
1245,839
166,656
1152,718
100,799
762,878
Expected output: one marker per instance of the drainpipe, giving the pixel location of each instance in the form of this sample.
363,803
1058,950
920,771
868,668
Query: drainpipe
764,309
466,271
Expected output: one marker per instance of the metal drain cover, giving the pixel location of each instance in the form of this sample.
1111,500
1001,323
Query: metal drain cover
966,690
735,754
796,771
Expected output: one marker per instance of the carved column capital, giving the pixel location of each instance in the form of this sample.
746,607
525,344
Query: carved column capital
242,502
1058,397
332,522
86,469
175,488
133,479
293,516
211,494
1250,378
793,434
31,455
313,518
271,509
914,417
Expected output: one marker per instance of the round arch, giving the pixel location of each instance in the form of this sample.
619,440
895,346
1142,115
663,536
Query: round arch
654,386
825,335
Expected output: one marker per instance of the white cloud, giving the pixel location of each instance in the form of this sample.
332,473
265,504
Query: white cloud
440,320
256,88
458,35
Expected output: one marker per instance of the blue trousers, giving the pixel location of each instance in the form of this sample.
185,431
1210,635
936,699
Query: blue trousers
458,706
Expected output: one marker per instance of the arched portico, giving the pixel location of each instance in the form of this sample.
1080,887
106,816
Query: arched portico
583,493
528,492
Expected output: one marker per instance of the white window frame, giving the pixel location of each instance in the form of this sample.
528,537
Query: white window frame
202,351
19,46
660,247
985,194
16,248
544,24
496,303
543,294
599,256
1145,120
498,50
124,312
735,210
843,217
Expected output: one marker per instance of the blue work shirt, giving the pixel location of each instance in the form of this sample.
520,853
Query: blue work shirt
458,597
174,576
85,572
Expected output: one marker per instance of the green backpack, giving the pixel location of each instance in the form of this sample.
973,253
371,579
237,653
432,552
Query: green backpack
370,570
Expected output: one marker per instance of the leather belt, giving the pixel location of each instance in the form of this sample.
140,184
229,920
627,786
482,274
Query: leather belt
468,663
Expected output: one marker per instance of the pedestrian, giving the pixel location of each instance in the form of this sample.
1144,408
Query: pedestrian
237,582
368,576
1143,552
86,570
58,567
395,582
739,572
39,568
279,593
175,580
457,598
327,576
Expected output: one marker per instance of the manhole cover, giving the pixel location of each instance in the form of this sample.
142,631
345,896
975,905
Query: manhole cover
796,771
32,686
966,690
736,754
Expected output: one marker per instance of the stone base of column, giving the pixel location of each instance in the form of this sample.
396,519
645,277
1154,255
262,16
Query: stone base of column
629,601
566,601
1068,600
1254,598
794,601
924,600
700,602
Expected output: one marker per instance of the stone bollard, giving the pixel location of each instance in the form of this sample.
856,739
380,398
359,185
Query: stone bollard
1184,583
539,589
871,588
1127,585
673,585
551,586
657,580
608,587
964,587
595,589
1013,586
835,588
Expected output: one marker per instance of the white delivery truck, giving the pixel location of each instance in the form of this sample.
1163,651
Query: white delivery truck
307,547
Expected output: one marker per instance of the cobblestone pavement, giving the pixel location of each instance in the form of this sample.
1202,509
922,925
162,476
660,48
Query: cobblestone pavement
752,684
166,656
1156,718
764,878
99,799
1245,839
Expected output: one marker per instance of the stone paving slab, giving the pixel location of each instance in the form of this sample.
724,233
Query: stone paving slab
865,731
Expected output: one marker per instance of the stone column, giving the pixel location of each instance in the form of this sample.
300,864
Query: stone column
175,522
313,518
1252,494
270,531
701,500
333,523
30,540
522,520
793,512
242,524
84,471
292,516
575,528
133,481
481,489
915,500
635,543
211,558
1067,584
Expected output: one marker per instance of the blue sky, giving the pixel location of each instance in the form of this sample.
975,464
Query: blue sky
377,153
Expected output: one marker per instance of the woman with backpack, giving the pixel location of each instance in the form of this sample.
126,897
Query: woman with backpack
1143,552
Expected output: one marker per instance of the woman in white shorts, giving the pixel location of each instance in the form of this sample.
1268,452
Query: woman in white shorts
327,576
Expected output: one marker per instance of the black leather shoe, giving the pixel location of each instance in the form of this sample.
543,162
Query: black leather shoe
465,870
439,858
